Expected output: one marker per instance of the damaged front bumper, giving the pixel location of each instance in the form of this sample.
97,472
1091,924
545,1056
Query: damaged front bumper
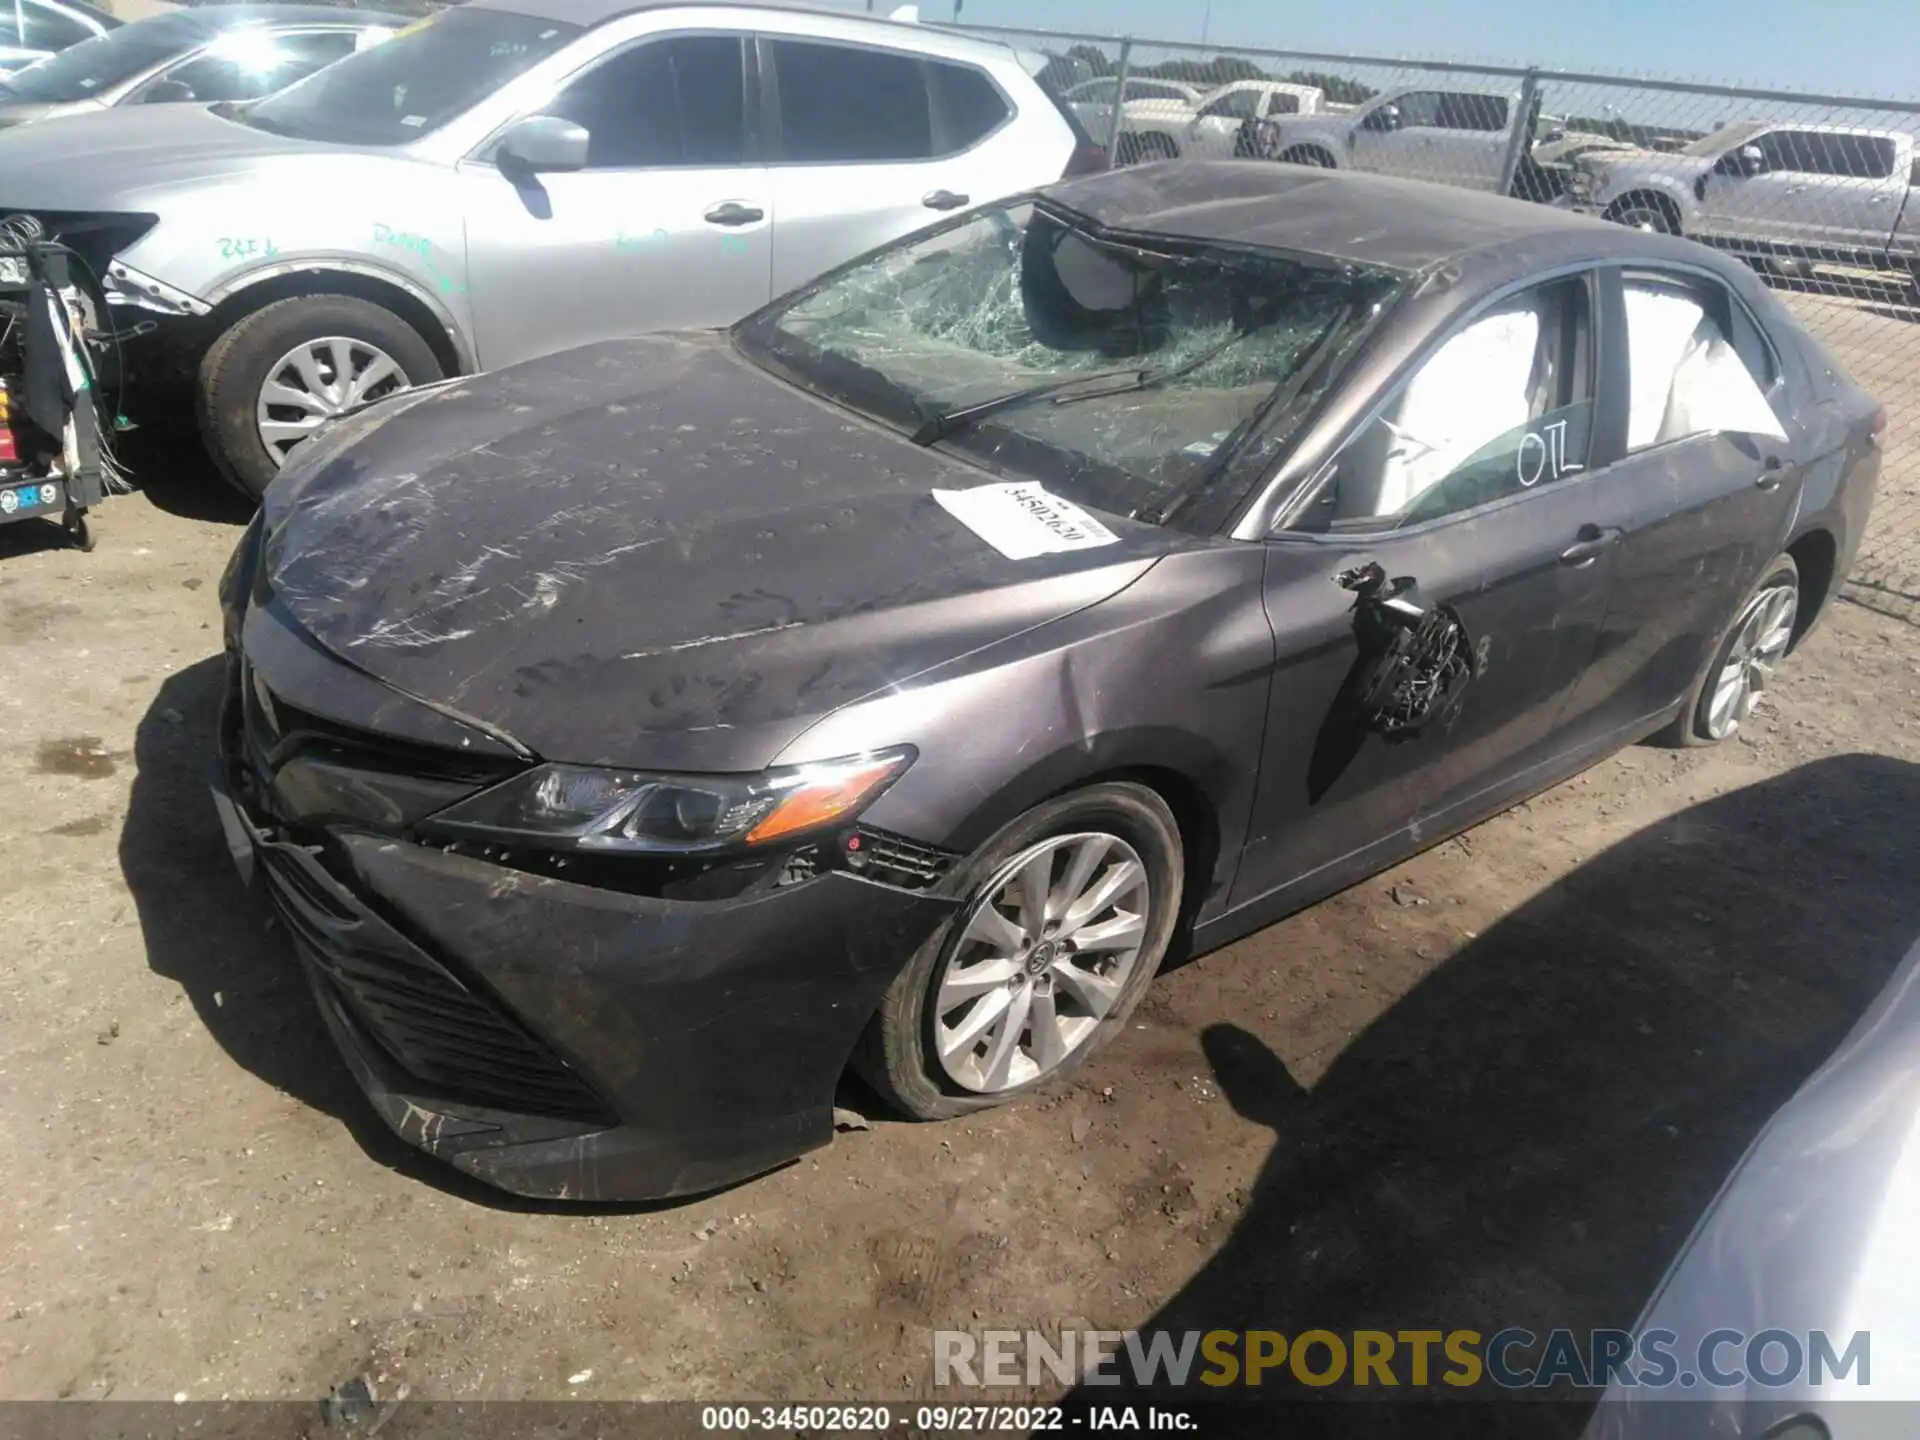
564,1041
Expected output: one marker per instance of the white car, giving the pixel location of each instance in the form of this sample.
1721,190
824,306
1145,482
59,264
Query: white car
1460,135
1147,102
31,30
1222,127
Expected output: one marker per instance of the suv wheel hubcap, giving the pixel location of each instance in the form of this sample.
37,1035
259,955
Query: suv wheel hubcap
316,381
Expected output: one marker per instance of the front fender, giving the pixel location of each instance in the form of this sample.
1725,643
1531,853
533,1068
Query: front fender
433,297
1680,191
1170,674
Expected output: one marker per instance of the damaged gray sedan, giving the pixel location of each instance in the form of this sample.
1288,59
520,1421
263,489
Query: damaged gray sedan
636,738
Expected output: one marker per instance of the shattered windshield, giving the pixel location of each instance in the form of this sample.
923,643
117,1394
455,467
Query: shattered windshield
1118,369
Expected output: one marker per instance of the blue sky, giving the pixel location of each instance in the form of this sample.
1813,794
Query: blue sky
1866,47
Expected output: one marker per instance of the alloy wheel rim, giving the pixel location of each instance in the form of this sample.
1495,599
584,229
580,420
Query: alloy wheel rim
317,380
1042,957
1760,639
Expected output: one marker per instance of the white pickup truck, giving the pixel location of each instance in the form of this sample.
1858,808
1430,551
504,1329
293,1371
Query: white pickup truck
1221,125
1457,135
1774,193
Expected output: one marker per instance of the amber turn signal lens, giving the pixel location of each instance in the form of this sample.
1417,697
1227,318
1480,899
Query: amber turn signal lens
820,802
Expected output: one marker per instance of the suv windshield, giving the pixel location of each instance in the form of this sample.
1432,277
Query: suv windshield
1122,370
99,64
414,83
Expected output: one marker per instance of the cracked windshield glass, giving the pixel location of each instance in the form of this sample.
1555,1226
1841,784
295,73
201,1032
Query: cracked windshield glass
1118,369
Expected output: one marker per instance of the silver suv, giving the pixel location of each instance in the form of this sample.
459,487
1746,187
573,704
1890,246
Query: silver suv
512,177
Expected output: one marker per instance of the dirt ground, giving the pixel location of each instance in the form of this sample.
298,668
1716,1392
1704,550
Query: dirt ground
1494,1086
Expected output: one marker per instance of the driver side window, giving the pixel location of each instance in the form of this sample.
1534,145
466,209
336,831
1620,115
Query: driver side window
1240,105
1505,405
673,102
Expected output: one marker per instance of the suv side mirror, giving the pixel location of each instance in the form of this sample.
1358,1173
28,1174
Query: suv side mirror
1748,160
541,143
1387,117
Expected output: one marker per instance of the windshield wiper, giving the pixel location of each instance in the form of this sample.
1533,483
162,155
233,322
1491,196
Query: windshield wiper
1131,378
950,422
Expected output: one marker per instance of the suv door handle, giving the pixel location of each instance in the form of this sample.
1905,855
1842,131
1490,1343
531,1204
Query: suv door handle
1593,540
733,213
942,200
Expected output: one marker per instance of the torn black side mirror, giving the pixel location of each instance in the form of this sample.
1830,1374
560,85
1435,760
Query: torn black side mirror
1415,658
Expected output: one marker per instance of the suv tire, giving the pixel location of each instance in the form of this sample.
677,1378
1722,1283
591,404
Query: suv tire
238,366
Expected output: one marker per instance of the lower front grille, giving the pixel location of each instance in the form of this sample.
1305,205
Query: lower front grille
457,1043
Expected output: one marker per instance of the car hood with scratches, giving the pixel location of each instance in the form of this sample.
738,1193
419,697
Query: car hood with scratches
650,553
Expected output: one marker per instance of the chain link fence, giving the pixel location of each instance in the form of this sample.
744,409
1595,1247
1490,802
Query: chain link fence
1821,194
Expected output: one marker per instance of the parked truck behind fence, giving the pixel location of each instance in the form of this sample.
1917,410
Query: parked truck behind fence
1457,135
1781,194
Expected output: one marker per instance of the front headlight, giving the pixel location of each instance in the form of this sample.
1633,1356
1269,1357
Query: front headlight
614,811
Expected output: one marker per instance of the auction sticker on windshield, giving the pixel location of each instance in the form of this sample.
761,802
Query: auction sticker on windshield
1021,520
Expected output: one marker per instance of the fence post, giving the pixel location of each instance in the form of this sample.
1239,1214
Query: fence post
1119,101
1520,143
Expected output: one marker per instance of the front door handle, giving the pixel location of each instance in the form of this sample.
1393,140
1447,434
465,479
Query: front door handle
733,213
1593,540
943,200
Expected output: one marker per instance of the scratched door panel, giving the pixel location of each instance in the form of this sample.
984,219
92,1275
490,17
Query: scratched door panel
600,254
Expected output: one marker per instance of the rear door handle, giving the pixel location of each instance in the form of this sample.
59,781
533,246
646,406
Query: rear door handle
943,200
733,213
1594,539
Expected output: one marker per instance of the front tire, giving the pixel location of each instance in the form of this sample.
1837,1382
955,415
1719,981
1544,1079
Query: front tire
1064,917
1742,665
282,370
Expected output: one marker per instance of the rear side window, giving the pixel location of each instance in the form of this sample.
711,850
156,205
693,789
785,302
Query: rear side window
967,106
1697,363
847,103
1473,112
662,103
1824,152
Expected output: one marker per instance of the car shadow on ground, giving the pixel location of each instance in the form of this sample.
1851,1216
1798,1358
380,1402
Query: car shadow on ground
165,459
219,943
1527,1137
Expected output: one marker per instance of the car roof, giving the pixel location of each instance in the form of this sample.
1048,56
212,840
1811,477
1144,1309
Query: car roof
588,13
1364,219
